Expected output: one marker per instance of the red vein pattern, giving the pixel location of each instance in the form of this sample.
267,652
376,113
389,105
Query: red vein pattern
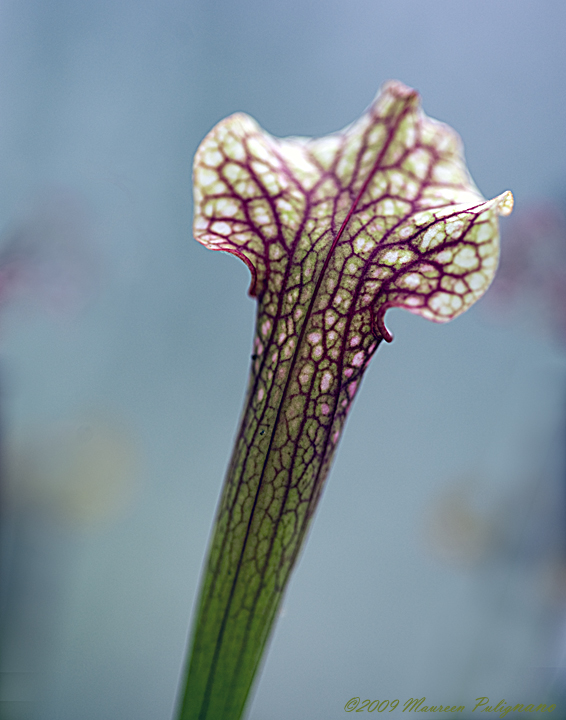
335,231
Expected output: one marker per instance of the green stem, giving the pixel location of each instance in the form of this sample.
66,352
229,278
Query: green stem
291,425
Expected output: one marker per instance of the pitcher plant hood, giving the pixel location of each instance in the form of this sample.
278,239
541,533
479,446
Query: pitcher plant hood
386,204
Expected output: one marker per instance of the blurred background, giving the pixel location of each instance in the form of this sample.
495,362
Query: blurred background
436,565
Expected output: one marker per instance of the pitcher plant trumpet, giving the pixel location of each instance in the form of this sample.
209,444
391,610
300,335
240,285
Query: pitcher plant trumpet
335,231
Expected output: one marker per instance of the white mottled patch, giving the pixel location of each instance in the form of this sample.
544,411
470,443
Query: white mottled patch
358,359
326,381
205,177
221,228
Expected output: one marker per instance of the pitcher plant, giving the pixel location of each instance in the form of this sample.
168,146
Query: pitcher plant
335,231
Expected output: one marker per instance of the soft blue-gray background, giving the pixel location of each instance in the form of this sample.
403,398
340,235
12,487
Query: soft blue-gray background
103,105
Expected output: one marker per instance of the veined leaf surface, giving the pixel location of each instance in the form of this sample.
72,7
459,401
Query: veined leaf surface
335,231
